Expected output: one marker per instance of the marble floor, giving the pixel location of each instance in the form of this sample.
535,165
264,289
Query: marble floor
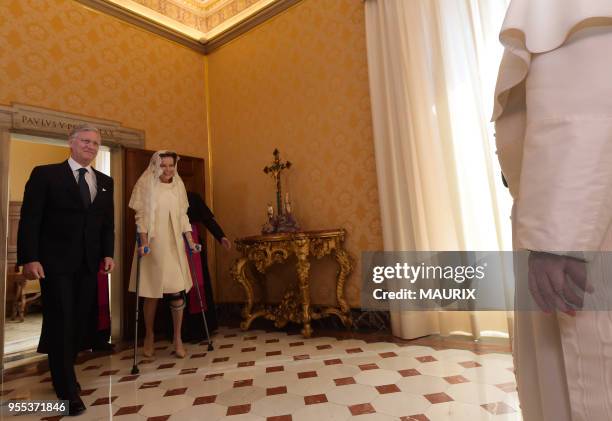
259,375
22,336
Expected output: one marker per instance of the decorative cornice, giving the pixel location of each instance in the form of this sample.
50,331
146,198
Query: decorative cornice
202,46
150,25
251,22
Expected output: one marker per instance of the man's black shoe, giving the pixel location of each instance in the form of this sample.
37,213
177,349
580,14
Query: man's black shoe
76,407
78,388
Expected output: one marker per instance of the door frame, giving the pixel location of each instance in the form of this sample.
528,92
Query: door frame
38,121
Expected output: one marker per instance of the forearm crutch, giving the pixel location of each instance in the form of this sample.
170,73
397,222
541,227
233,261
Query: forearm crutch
137,312
197,287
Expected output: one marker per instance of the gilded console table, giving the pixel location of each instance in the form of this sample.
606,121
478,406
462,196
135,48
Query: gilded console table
264,250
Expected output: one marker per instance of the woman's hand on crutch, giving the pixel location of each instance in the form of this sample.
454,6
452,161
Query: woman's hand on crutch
193,247
143,244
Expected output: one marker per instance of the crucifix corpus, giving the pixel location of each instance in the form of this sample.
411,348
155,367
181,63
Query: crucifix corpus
283,221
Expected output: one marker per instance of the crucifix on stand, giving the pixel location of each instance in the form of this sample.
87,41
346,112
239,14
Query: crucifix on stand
284,241
283,221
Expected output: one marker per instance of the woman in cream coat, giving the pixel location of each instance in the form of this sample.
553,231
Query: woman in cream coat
160,202
553,114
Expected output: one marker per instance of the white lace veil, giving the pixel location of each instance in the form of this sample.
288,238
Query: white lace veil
143,199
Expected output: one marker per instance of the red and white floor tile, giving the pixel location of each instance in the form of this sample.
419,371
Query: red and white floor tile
273,376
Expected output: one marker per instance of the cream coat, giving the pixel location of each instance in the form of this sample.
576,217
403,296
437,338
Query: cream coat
165,269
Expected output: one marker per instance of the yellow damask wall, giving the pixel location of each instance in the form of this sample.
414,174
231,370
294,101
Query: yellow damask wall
58,54
298,82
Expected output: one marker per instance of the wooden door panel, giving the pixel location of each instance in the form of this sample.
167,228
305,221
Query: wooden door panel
135,161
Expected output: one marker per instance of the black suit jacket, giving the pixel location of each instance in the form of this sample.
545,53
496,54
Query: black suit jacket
55,227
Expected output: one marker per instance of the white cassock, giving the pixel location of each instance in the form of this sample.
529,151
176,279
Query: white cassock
553,114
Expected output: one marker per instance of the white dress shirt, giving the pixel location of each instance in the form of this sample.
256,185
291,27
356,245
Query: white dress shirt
90,177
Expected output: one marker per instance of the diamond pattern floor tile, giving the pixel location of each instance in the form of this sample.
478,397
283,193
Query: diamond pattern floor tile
276,376
352,394
400,404
277,405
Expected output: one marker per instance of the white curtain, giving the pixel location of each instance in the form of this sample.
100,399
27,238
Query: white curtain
432,67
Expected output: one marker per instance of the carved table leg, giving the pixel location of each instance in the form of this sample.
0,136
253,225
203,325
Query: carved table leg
30,300
344,261
303,267
239,274
19,305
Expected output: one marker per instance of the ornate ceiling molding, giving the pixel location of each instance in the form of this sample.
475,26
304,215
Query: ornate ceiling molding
200,25
249,23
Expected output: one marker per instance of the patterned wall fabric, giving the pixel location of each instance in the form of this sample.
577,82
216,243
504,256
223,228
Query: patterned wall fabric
298,82
61,55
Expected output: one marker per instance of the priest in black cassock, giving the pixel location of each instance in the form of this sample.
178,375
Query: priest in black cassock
198,212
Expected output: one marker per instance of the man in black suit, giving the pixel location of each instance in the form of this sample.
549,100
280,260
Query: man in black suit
66,229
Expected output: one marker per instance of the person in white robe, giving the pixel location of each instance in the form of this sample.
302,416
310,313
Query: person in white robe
553,115
160,202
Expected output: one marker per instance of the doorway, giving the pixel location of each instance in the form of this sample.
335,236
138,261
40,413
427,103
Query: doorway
49,125
23,317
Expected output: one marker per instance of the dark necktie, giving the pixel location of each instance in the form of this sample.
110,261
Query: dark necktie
84,188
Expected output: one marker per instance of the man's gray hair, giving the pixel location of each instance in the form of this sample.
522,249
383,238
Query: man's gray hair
79,128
